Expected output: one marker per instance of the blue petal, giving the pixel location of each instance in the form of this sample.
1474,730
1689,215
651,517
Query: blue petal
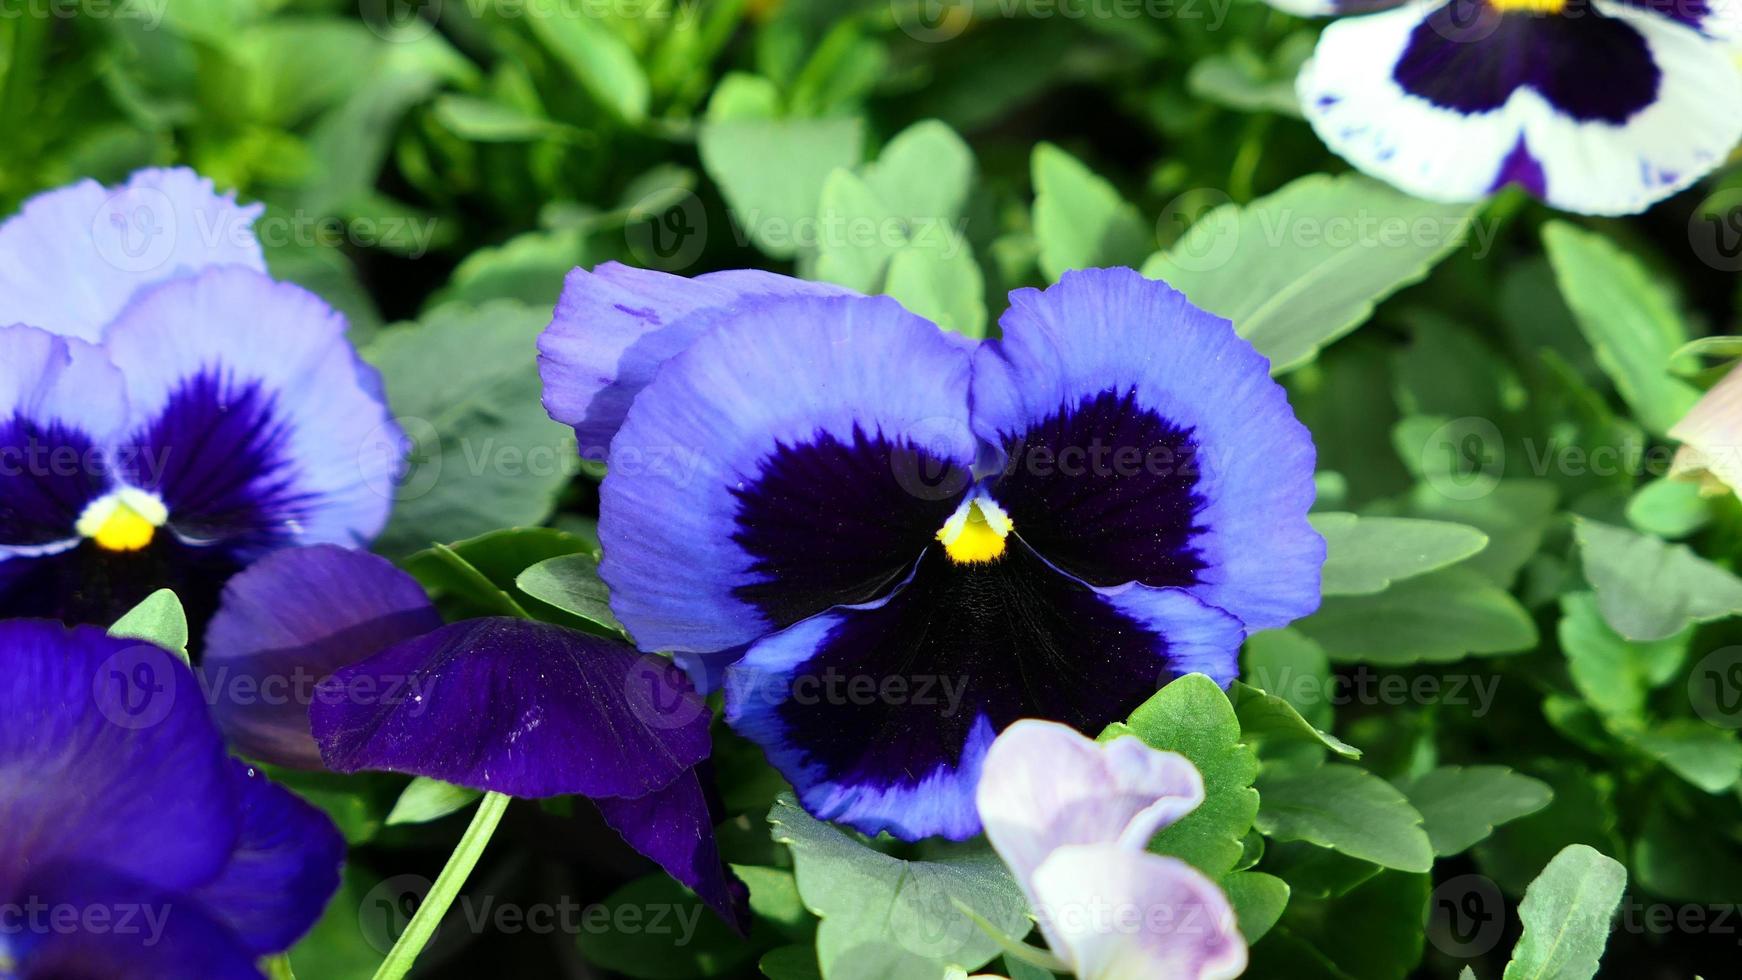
110,741
61,401
74,257
674,827
124,929
614,327
255,418
283,871
1109,360
514,707
797,454
288,621
880,714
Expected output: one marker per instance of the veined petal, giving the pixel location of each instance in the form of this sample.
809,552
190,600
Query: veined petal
799,455
514,707
1123,915
61,400
283,870
1711,434
107,757
1604,108
615,326
288,621
257,424
72,258
881,715
1145,442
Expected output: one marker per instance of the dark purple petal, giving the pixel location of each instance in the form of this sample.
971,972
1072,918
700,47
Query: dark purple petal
879,715
832,522
88,584
284,868
287,622
108,755
1470,58
46,481
1521,167
514,707
124,929
674,827
1108,490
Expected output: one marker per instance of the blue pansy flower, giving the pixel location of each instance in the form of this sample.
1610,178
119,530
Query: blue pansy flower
905,541
327,657
133,845
1595,106
168,412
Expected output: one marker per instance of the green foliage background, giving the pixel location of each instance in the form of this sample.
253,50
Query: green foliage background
1528,639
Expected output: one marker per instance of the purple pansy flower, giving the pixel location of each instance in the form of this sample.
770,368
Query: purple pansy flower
1073,819
326,656
907,541
134,847
168,412
1595,106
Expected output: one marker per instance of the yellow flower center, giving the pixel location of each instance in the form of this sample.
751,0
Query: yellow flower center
123,520
1528,6
976,532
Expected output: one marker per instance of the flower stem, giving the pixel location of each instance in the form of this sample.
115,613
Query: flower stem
447,885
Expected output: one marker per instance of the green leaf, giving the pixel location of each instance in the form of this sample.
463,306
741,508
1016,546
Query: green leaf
883,916
1686,857
1582,812
1193,717
924,173
943,285
772,172
1266,716
1258,901
1672,509
601,61
1080,219
1348,810
1514,514
571,583
1566,915
1709,758
1306,265
1648,589
1629,318
1285,663
483,455
1365,555
158,619
494,122
775,900
790,963
1614,674
1439,617
662,932
425,800
1461,805
476,577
